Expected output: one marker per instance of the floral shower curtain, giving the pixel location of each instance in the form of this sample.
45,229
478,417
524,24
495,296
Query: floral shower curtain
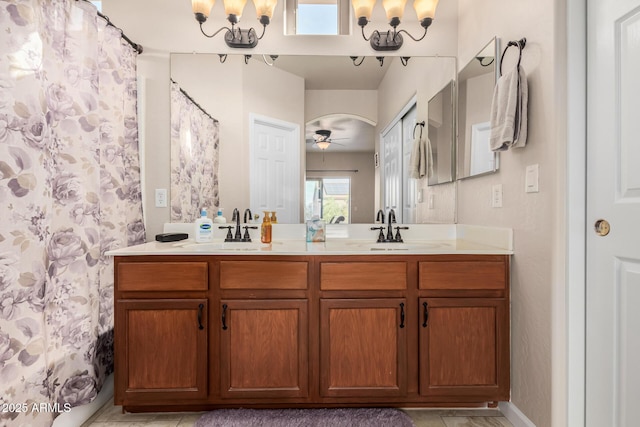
194,159
69,192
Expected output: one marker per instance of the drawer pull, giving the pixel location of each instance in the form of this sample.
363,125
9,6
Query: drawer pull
426,314
224,317
200,308
402,315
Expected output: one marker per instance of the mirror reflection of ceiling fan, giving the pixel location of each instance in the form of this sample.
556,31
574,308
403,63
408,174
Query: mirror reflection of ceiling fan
322,139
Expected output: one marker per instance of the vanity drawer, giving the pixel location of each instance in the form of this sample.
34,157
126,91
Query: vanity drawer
263,274
463,275
162,276
363,276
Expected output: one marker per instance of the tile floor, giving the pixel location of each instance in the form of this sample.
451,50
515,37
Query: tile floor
112,416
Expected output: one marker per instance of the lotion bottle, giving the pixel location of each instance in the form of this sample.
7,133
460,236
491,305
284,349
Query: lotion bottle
265,230
204,228
220,219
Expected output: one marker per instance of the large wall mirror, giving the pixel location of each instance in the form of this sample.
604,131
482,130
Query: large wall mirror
441,131
476,82
337,105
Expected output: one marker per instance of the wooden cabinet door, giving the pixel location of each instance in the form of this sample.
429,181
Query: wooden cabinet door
161,350
464,348
264,348
363,347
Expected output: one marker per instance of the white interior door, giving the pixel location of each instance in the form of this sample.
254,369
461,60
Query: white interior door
392,169
275,168
613,194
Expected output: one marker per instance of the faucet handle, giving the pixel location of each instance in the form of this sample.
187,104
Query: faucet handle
381,234
247,237
398,237
229,237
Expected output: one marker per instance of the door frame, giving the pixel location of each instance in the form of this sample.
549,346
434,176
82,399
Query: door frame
293,161
570,302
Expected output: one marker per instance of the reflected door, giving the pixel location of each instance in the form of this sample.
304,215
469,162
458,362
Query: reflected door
275,168
392,175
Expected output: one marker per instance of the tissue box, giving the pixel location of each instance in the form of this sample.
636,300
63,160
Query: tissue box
316,230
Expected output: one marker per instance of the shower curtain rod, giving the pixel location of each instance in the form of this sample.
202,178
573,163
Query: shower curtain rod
194,102
137,47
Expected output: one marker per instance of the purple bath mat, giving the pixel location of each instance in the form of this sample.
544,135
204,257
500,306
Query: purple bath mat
338,417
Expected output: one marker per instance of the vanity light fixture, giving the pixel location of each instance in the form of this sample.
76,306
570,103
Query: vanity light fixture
392,39
485,61
235,36
403,59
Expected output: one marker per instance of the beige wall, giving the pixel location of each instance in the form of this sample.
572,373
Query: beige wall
537,265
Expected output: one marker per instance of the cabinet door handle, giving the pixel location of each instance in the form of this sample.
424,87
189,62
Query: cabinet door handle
426,314
224,317
200,308
402,315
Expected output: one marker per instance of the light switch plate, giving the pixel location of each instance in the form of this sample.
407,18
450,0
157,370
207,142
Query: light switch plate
531,179
430,201
496,196
161,197
420,196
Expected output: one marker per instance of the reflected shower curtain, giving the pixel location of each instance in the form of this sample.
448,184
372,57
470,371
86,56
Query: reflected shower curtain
194,159
69,192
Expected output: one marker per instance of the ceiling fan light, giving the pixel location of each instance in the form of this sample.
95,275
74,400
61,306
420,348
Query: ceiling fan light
425,8
323,145
265,8
233,9
202,9
394,9
363,10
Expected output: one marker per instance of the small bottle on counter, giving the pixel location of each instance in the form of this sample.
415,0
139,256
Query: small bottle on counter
265,230
204,228
220,219
274,220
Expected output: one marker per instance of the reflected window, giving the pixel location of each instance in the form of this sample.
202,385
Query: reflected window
329,199
317,17
98,5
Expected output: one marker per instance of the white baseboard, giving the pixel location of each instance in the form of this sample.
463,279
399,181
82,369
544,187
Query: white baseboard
78,415
514,415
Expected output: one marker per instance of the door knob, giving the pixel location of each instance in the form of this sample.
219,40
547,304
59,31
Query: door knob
602,227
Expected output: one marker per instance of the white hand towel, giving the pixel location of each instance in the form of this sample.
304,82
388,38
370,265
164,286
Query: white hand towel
509,111
420,160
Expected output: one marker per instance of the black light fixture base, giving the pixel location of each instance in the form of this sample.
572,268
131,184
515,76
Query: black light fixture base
386,41
244,39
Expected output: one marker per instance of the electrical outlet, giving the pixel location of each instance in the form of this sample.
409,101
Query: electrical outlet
496,196
161,197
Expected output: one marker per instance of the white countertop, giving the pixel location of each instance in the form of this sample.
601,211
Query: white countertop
347,239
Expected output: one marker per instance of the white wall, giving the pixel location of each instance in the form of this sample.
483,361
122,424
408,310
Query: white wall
537,267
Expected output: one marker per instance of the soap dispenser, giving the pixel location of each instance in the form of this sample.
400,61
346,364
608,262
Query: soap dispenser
220,219
274,219
204,228
265,230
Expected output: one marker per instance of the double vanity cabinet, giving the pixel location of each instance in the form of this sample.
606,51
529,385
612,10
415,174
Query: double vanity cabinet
197,332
